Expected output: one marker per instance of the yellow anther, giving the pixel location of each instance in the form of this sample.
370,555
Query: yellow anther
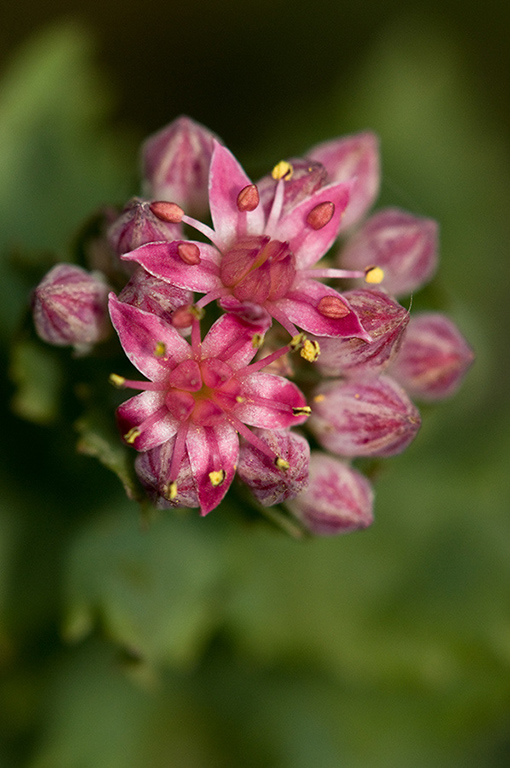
257,340
117,381
160,349
311,351
282,170
282,463
131,436
319,398
217,477
374,275
197,312
304,410
297,342
240,399
170,491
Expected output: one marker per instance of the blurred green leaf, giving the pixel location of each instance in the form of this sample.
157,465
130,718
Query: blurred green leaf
37,374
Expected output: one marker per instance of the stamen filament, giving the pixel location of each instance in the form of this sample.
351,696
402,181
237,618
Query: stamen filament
251,438
276,209
204,229
178,453
332,273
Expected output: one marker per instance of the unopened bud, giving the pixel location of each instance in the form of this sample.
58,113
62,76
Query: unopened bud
152,469
70,307
273,481
338,499
402,245
434,357
138,225
153,295
370,416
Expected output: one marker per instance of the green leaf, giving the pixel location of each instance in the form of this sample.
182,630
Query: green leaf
37,374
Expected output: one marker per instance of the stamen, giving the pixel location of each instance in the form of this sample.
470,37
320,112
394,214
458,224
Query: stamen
217,477
276,208
117,381
189,253
284,321
160,349
332,307
321,215
169,212
332,273
282,170
374,275
257,340
319,398
183,317
204,229
248,198
131,436
310,351
282,463
170,491
304,410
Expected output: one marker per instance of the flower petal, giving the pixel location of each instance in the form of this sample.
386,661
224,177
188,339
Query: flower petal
213,453
146,407
162,260
233,340
268,401
300,307
227,178
306,243
151,344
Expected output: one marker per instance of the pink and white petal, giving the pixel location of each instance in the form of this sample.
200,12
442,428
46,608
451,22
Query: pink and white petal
213,453
146,407
234,341
300,307
151,344
306,243
163,261
269,401
226,179
352,157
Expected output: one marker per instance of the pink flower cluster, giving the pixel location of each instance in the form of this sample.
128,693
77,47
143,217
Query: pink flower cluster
289,359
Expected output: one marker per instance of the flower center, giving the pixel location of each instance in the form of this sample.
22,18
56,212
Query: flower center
201,391
258,269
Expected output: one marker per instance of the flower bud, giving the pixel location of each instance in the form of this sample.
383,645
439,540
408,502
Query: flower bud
370,416
434,357
352,157
403,245
137,225
338,499
70,307
152,468
175,165
153,295
270,484
383,318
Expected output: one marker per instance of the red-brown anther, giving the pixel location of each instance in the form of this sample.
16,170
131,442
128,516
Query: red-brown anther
169,212
333,307
321,215
189,253
183,316
248,198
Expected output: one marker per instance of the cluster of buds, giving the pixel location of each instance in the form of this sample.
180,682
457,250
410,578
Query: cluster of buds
297,352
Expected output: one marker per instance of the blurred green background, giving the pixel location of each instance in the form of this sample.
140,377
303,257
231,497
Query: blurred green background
212,643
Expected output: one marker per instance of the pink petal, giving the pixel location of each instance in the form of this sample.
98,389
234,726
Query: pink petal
212,450
163,261
227,178
268,402
151,344
300,307
307,244
140,408
352,158
233,340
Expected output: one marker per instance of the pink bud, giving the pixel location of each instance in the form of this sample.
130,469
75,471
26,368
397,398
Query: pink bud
153,295
383,318
152,468
270,484
338,499
434,357
138,225
70,307
370,416
352,157
307,177
175,165
403,245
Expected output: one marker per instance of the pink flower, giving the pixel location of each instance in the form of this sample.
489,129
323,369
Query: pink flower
262,250
200,396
